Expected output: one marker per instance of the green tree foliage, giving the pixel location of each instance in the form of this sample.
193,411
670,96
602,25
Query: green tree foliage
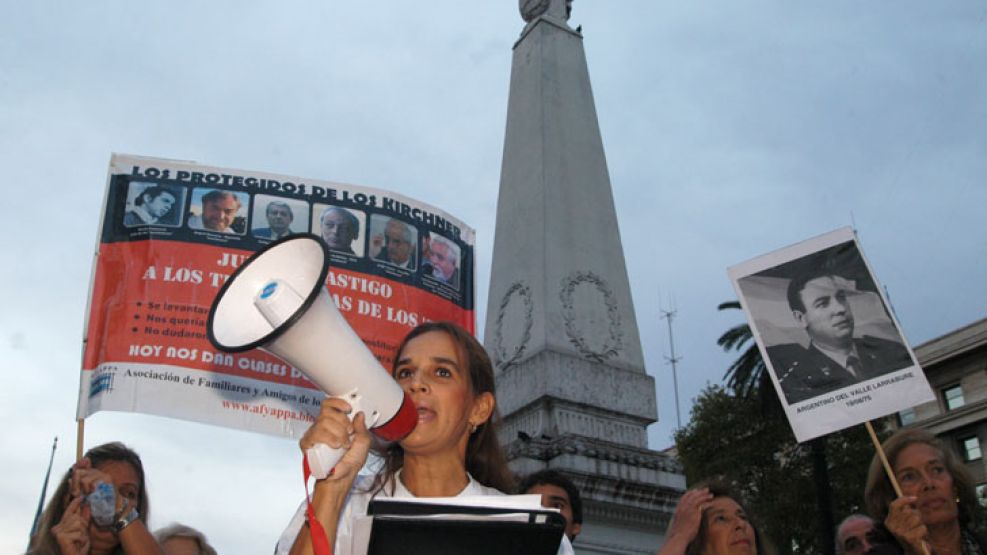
728,436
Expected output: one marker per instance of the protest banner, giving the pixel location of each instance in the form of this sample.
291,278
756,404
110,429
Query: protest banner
172,232
834,351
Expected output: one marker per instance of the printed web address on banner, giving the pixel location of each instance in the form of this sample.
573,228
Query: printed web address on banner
265,411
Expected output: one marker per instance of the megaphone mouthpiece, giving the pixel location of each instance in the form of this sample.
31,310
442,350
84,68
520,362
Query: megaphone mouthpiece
278,302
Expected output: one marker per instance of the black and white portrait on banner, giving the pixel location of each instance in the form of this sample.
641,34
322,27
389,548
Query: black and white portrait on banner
276,217
153,204
826,333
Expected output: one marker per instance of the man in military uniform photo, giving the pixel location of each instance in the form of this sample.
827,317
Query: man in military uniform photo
834,358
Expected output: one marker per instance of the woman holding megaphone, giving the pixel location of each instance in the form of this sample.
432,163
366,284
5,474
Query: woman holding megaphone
453,450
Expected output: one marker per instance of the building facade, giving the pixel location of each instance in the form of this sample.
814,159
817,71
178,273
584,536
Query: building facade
956,367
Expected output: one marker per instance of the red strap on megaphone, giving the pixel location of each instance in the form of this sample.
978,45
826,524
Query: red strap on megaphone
320,541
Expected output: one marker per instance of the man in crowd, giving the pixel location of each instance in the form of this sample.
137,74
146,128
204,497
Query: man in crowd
853,535
399,245
834,358
279,218
219,210
558,492
339,228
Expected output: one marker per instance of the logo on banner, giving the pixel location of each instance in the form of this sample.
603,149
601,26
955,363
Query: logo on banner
102,381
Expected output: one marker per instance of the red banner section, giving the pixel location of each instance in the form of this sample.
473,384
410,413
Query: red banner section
151,301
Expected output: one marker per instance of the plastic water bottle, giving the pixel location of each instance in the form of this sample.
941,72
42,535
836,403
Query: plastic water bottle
102,503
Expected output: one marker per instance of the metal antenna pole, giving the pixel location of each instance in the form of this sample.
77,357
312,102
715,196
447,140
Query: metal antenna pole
669,315
44,489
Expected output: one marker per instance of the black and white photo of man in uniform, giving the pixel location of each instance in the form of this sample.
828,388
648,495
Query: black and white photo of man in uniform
834,358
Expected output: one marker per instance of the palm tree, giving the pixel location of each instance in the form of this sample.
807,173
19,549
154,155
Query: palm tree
747,377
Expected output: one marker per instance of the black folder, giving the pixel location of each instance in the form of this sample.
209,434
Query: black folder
403,528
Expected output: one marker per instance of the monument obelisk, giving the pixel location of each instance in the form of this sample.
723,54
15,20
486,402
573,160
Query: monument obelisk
560,321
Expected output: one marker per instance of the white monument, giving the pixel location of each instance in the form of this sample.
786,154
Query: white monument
560,322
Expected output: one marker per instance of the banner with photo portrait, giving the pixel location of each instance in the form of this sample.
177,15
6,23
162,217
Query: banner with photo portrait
172,232
833,349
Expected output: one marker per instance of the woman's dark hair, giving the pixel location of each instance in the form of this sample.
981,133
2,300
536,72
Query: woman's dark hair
878,493
485,459
721,489
43,541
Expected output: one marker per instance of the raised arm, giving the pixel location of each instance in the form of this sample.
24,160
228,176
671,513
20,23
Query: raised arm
335,429
686,521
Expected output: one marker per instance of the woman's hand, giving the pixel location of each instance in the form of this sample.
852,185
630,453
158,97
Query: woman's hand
686,521
905,524
334,428
72,532
85,478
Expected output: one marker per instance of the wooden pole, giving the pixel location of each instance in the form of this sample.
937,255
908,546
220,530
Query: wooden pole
884,459
80,436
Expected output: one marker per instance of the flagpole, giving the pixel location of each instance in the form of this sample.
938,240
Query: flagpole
80,436
44,490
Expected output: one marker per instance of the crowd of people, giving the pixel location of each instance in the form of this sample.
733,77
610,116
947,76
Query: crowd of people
935,515
453,451
101,504
101,507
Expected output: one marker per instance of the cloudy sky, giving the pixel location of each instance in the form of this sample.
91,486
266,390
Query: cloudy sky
731,129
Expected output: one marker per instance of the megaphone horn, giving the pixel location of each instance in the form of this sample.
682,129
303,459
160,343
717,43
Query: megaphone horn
277,301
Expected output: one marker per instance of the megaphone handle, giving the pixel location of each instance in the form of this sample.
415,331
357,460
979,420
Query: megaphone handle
322,459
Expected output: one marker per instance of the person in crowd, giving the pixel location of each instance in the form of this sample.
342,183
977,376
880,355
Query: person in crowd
150,206
69,524
178,539
443,261
557,492
938,506
279,217
399,245
835,358
854,535
711,520
219,212
339,228
453,450
860,534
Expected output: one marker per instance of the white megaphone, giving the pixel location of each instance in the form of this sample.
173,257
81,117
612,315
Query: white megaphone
277,301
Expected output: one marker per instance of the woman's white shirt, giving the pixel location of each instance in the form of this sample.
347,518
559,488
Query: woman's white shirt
356,505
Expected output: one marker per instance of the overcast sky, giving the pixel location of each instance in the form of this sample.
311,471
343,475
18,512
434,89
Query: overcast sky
731,129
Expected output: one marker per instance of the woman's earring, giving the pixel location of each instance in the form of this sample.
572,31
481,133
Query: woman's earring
473,427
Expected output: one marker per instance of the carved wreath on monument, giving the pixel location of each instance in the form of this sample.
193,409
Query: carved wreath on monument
521,290
612,343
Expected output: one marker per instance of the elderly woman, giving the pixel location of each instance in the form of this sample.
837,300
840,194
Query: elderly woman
711,520
68,526
179,539
453,450
938,502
